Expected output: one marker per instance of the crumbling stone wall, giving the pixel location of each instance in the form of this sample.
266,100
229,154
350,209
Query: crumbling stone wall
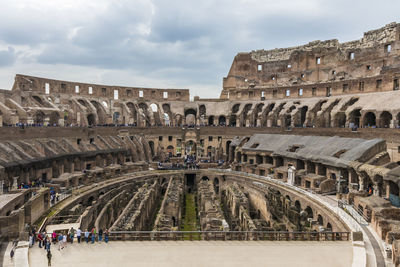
210,213
170,213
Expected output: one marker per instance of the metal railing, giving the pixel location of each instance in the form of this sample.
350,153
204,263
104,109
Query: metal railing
354,212
227,236
347,218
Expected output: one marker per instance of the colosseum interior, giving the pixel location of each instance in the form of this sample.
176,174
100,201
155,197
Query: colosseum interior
303,144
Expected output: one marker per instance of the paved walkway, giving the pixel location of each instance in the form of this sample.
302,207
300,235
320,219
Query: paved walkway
198,254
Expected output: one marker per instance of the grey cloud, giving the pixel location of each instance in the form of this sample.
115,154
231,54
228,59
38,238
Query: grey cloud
7,57
182,42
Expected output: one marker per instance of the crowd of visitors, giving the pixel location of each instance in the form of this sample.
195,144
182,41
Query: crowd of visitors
46,240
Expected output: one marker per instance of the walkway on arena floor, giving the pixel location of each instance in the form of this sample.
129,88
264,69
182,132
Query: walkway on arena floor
198,253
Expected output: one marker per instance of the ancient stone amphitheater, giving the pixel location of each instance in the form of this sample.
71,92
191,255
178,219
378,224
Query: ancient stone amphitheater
302,145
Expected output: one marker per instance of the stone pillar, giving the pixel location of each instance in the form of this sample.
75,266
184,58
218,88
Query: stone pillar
1,186
15,183
291,175
376,190
361,181
387,186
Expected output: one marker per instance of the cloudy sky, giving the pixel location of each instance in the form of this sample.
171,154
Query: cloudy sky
167,43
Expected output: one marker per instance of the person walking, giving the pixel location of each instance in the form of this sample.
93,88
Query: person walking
106,235
94,234
40,239
45,241
49,258
72,234
64,240
60,241
54,237
48,244
78,235
30,240
100,235
87,236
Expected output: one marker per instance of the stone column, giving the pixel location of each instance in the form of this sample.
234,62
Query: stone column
1,186
376,190
15,183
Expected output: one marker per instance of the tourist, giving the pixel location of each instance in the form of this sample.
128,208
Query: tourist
100,235
94,234
87,236
60,241
54,237
45,241
64,240
106,233
33,236
40,239
78,235
72,234
30,240
48,244
49,258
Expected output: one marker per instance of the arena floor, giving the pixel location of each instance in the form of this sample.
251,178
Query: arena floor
198,254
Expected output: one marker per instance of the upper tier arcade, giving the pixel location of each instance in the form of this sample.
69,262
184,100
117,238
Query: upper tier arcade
319,68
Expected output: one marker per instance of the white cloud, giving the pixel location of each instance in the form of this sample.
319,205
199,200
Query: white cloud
175,43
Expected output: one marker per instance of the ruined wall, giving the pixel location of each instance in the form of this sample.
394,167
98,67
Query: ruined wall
319,68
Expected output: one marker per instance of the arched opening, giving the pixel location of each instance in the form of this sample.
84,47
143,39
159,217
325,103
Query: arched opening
340,120
190,117
385,119
39,117
209,151
303,115
205,178
320,220
354,117
82,102
211,120
154,107
369,119
329,227
297,205
221,121
101,113
239,157
235,108
310,213
178,120
202,113
232,120
90,201
133,112
288,120
170,150
144,114
151,144
91,120
166,119
216,186
116,117
54,118
227,147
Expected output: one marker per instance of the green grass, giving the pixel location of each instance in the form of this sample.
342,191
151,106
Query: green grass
190,220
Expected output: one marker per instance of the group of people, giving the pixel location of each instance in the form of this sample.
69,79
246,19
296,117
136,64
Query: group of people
45,240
